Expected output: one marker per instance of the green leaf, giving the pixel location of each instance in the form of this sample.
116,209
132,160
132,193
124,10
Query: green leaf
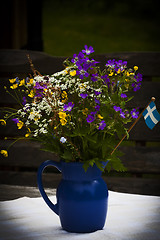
67,155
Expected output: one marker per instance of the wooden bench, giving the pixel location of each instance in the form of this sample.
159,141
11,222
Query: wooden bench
142,150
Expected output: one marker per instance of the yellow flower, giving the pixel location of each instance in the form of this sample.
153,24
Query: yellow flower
135,68
64,94
73,73
14,86
30,81
63,121
111,73
99,116
4,153
119,71
62,115
27,135
12,80
85,111
22,82
127,73
127,80
31,94
3,122
66,70
20,124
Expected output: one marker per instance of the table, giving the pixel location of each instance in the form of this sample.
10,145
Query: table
130,217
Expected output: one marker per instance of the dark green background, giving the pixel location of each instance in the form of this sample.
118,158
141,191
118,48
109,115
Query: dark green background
109,26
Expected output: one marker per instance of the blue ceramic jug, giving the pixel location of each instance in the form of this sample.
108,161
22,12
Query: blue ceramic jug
82,197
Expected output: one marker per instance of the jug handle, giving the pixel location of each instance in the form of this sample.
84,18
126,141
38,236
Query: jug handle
45,164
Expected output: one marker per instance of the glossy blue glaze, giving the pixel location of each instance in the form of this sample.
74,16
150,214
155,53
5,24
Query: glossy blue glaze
82,197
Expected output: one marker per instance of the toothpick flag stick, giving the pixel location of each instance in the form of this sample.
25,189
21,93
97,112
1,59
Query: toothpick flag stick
140,115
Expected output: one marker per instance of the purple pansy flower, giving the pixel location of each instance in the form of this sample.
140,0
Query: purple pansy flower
90,118
102,125
134,113
83,95
68,107
88,50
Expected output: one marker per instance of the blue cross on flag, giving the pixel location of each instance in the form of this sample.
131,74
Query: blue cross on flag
151,115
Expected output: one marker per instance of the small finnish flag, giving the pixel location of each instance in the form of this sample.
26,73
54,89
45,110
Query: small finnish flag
151,115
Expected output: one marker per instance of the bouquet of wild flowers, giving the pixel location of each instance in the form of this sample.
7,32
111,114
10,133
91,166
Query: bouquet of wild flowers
80,112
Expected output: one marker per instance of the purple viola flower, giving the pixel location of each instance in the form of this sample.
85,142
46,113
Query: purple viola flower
136,86
68,107
102,125
110,63
93,113
97,93
94,77
90,118
39,86
15,120
122,114
106,80
97,101
117,109
93,62
123,95
97,108
83,95
82,73
134,113
75,58
88,50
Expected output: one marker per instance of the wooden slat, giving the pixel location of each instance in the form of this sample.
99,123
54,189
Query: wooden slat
16,61
136,159
141,159
25,154
141,132
50,180
143,96
148,62
134,185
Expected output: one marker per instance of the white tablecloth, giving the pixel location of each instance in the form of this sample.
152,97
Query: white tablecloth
130,217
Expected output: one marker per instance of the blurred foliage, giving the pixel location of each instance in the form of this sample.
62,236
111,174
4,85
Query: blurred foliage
109,26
